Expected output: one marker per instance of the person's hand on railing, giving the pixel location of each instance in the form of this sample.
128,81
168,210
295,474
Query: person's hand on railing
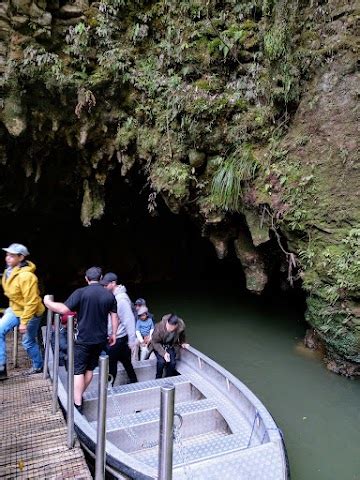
22,328
185,345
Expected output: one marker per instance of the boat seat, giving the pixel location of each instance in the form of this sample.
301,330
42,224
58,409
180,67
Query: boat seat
92,393
126,421
198,448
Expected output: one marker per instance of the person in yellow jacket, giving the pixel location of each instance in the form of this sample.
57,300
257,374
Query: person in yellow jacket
25,310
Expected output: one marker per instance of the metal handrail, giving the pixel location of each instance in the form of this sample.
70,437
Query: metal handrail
15,347
48,340
70,382
166,438
100,452
56,363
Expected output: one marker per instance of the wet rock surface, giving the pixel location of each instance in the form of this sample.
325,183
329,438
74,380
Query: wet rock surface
243,118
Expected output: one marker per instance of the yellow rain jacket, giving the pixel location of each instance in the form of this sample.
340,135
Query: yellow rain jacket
22,289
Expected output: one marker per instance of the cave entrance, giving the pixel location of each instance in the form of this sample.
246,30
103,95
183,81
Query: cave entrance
139,247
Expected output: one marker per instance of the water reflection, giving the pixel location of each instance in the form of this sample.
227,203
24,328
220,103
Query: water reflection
259,341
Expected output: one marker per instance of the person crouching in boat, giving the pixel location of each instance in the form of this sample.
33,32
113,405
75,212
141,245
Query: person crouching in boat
25,310
168,337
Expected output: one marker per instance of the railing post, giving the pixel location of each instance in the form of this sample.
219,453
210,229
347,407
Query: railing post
56,362
101,418
47,340
15,349
166,438
70,381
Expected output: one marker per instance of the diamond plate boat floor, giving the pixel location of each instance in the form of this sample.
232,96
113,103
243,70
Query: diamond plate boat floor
201,447
263,462
236,421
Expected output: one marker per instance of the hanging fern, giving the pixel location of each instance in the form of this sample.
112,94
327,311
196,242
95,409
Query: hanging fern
227,182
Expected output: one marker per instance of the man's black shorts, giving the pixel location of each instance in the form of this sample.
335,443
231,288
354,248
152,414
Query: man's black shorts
86,357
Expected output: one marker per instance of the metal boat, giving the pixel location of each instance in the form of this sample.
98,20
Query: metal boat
222,430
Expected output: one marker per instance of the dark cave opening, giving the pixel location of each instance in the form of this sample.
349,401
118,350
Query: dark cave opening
142,249
139,247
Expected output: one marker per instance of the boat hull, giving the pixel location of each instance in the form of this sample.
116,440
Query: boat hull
226,433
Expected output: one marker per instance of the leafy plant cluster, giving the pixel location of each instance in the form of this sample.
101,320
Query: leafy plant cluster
335,327
228,180
287,180
342,263
193,73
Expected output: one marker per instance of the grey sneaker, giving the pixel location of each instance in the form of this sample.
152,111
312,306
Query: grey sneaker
35,370
3,372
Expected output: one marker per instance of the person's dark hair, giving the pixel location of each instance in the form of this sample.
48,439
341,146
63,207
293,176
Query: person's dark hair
173,319
93,274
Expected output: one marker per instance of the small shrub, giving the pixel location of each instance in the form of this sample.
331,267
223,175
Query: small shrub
227,182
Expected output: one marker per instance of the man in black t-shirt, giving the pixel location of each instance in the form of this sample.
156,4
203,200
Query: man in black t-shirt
93,304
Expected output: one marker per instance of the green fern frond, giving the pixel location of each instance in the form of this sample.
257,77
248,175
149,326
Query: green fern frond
226,186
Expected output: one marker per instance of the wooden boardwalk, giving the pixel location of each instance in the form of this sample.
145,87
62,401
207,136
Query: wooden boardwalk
32,439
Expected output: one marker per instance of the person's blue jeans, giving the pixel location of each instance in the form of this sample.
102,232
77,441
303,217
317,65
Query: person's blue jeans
7,323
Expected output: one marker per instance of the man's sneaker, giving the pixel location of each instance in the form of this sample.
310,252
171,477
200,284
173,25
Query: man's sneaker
3,372
35,370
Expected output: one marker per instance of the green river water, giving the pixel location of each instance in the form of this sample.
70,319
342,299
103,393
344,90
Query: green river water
259,341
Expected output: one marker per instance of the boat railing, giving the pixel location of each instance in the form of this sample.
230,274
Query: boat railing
54,403
102,388
100,450
167,401
70,382
263,427
49,320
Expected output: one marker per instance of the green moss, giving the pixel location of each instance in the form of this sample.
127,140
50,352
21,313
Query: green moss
174,77
334,327
248,25
147,142
126,134
171,178
92,205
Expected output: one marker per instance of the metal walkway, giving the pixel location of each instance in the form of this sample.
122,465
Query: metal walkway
32,439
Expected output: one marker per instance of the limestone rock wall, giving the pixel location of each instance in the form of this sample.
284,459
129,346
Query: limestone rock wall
243,115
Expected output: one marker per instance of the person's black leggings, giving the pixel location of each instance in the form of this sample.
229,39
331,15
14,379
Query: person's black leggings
169,366
120,352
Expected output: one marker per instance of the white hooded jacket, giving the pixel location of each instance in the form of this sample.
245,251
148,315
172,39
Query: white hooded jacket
126,316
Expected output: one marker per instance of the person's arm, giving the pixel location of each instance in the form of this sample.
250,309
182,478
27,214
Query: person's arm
138,334
156,340
114,325
28,284
182,338
56,307
152,328
127,319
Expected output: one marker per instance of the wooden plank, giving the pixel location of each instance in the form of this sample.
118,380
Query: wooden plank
33,440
